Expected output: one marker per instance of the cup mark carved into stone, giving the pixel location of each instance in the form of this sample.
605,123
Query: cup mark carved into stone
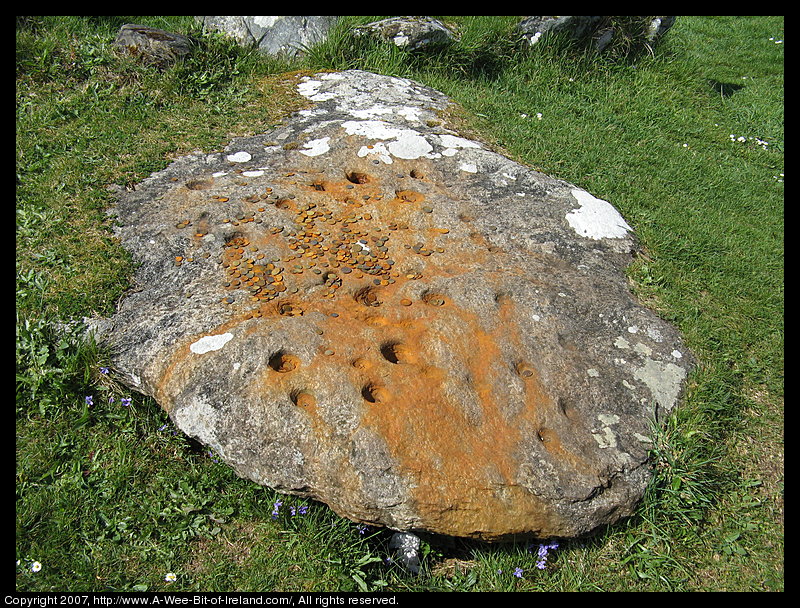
434,299
304,399
284,362
377,393
399,353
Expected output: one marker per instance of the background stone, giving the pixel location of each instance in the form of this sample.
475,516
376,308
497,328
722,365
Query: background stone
366,308
151,45
292,35
413,33
289,35
599,31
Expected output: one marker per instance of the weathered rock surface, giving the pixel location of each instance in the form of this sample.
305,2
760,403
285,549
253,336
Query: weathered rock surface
366,308
292,35
289,35
598,29
151,45
413,33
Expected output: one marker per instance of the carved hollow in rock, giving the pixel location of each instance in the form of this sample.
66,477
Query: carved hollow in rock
357,177
304,399
399,353
362,364
283,362
434,299
289,309
409,196
200,184
368,296
376,393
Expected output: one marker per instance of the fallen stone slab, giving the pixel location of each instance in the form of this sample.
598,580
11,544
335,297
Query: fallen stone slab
366,308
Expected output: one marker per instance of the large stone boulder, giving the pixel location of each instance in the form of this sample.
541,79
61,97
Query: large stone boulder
366,308
289,35
599,31
412,33
151,45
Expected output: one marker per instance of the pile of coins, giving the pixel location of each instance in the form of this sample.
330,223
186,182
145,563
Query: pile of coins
323,235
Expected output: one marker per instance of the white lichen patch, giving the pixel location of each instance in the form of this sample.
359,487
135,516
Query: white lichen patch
257,173
372,113
267,21
239,157
621,342
372,129
608,419
456,143
400,143
376,152
595,218
605,437
410,145
199,419
663,379
411,114
310,89
316,147
208,343
311,113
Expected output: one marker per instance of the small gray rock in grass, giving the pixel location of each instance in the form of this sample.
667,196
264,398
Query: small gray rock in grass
406,546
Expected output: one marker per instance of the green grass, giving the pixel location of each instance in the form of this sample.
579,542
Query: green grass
109,497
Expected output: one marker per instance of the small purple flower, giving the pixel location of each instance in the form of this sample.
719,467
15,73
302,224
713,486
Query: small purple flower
110,400
542,552
303,510
276,508
89,400
103,370
126,401
518,572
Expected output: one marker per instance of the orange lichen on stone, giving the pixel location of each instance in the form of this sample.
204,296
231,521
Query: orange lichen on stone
348,260
305,399
397,370
448,455
284,363
409,196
